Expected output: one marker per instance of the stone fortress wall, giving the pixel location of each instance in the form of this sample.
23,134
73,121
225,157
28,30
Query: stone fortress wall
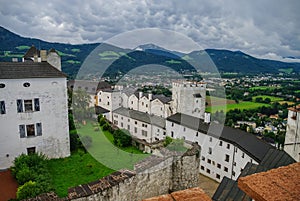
153,176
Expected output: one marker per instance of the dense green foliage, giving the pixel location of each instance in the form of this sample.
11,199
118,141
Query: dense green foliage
32,174
122,138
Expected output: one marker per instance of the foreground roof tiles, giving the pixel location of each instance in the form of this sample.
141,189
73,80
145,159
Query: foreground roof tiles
276,184
191,194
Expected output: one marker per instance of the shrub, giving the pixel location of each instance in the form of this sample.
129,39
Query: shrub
32,175
102,121
106,127
99,117
122,138
28,190
167,141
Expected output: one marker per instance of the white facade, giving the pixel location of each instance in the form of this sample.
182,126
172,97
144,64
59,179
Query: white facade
110,100
147,129
189,98
35,118
218,157
292,136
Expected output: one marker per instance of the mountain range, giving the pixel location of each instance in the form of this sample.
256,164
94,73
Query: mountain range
121,60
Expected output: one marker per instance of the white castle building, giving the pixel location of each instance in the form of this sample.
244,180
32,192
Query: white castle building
33,103
224,151
292,136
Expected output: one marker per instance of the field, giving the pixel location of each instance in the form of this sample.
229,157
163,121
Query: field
272,98
218,101
218,104
262,88
102,159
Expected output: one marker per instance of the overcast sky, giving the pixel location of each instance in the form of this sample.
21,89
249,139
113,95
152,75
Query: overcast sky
265,28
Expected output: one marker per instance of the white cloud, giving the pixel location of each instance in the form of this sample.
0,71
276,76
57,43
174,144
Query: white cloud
255,27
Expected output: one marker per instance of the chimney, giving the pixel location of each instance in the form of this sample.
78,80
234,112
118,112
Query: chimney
54,59
140,94
150,96
43,54
35,58
206,117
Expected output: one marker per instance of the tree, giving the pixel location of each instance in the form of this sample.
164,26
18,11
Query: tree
267,100
122,138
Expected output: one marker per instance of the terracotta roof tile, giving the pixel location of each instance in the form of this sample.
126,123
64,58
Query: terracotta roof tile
191,194
276,184
167,197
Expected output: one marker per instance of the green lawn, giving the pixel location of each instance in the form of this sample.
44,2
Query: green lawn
272,98
262,88
241,105
104,150
102,159
79,168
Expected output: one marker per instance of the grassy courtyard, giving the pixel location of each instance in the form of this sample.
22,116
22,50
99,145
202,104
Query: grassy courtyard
102,159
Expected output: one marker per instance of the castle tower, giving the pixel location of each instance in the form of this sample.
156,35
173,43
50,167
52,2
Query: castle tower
292,136
189,98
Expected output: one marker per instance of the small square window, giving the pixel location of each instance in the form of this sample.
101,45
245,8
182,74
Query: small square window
203,158
219,165
30,130
209,150
202,167
208,161
227,158
225,169
210,139
228,146
28,105
30,150
208,171
220,143
218,176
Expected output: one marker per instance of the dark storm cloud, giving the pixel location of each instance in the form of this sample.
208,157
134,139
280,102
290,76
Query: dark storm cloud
264,28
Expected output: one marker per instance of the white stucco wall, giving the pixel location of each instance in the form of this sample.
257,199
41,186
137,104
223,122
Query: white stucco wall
144,105
212,163
53,114
292,136
184,101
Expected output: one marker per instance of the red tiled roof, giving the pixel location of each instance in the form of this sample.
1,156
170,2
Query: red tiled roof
191,194
276,184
